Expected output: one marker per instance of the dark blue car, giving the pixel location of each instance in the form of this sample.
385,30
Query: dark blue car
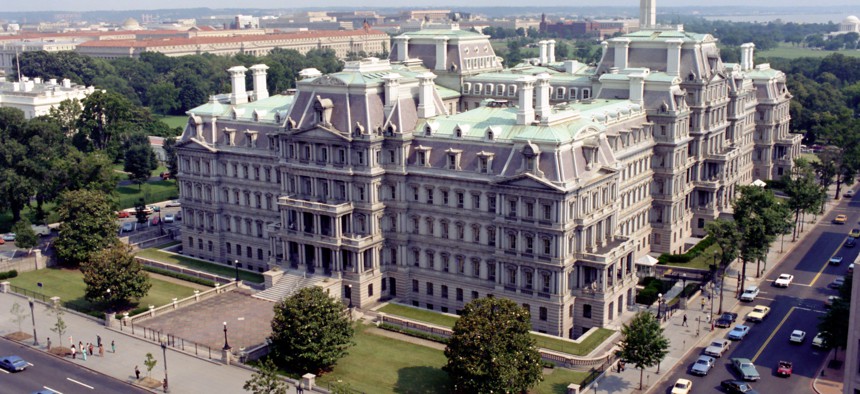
13,363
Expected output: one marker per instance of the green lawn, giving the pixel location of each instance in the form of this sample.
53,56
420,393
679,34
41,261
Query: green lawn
200,265
427,316
788,51
810,157
69,286
30,214
379,364
175,121
150,191
703,261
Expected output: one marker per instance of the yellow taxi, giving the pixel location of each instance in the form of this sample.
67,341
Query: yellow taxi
840,219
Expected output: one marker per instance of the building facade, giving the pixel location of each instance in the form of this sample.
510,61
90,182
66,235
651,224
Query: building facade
35,97
439,176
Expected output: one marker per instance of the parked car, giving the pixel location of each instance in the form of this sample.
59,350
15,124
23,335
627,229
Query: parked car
682,386
797,336
173,203
154,208
127,227
122,214
819,340
155,221
836,260
758,313
746,368
840,219
739,332
2,242
851,242
169,218
784,368
718,347
13,363
147,210
703,365
830,300
837,283
737,387
726,320
41,230
849,193
9,237
179,216
165,175
855,233
750,293
784,280
850,269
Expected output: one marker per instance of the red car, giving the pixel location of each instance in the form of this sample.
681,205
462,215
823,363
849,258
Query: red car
122,214
784,368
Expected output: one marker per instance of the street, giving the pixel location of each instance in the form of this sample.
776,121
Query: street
47,372
797,307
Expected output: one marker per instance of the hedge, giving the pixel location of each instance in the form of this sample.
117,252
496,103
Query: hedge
180,276
414,333
653,287
8,274
694,252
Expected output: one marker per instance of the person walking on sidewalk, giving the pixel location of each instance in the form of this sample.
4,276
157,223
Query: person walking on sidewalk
49,343
98,340
84,354
112,346
74,352
684,323
136,372
703,303
101,350
91,347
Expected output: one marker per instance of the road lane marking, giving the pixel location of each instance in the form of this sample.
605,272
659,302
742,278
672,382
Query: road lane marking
826,263
75,381
30,364
778,326
3,370
51,390
793,284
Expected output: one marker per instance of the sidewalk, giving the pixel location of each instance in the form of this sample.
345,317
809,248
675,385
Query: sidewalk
683,340
187,374
829,380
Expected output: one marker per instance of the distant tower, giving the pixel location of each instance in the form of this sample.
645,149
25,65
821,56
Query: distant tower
647,13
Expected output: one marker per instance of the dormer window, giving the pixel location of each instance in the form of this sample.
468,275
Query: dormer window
453,161
230,136
359,129
485,162
391,129
458,132
422,156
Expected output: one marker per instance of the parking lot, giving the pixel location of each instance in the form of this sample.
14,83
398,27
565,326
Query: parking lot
130,224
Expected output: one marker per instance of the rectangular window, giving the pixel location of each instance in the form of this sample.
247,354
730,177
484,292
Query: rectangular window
445,197
491,203
459,294
530,210
414,193
429,288
476,201
547,212
421,159
491,271
444,291
429,195
586,311
461,199
414,285
474,295
512,207
370,289
542,311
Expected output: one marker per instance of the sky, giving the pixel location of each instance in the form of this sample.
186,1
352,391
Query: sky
91,5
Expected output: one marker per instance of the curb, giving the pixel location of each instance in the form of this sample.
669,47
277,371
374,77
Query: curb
38,349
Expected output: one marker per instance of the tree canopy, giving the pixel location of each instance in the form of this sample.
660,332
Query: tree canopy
140,160
266,380
311,331
88,225
114,277
643,343
491,350
760,217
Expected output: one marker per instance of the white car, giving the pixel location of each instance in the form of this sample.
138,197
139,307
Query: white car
127,227
173,203
169,218
41,230
784,280
718,347
702,366
9,237
797,336
682,386
750,293
818,341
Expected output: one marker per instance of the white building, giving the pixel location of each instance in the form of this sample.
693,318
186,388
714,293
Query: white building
36,96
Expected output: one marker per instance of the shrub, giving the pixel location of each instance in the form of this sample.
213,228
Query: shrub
180,276
653,287
8,274
694,252
414,333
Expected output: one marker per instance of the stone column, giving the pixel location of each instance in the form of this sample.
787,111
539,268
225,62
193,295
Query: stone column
622,45
441,53
673,57
4,287
308,381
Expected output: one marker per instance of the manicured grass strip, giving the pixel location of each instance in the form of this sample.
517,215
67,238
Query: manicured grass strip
556,380
577,349
70,287
420,315
788,51
150,191
703,261
200,265
175,121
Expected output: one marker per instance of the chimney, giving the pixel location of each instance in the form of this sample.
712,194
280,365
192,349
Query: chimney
392,90
550,51
52,81
621,47
402,48
259,73
526,113
747,56
647,13
426,98
542,108
570,66
637,88
237,77
673,57
16,86
37,80
542,59
67,83
441,53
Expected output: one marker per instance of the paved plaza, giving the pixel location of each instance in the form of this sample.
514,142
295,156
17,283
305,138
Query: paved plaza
248,321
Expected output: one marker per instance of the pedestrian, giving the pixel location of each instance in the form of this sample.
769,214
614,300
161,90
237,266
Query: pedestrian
299,389
136,372
623,367
49,343
685,321
74,351
81,346
101,350
91,349
112,346
98,340
703,303
84,354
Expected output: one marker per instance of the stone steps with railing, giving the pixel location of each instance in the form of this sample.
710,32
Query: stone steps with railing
287,286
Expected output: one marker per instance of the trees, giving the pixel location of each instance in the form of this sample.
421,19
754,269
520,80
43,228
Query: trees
644,344
491,350
760,217
88,225
140,160
19,314
725,233
834,324
266,380
170,153
114,277
59,326
25,237
310,331
150,363
805,195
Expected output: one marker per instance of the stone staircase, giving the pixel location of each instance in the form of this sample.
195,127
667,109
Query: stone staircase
290,283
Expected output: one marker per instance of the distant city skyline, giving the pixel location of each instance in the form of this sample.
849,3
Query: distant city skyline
98,5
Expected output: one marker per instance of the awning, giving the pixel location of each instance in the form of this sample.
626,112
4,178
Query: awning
647,260
759,183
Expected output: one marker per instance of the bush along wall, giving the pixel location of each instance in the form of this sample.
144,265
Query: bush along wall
694,252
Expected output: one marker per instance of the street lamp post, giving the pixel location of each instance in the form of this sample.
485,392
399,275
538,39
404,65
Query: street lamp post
659,306
164,352
226,345
595,387
684,288
236,264
33,316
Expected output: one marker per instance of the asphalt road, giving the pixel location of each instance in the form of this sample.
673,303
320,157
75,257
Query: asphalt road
795,308
51,373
